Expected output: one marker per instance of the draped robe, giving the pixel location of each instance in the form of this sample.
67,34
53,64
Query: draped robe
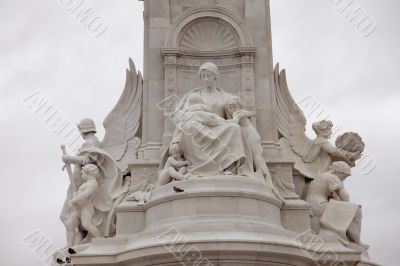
211,147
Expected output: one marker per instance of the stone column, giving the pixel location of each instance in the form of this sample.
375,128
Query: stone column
156,23
257,18
247,64
171,90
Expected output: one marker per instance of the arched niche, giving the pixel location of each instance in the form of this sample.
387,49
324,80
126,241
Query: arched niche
209,34
208,11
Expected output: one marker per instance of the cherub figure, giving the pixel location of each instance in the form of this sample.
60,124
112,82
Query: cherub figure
195,103
312,156
83,205
175,167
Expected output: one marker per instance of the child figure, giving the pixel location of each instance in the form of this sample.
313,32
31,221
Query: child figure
195,103
234,111
196,111
83,206
175,167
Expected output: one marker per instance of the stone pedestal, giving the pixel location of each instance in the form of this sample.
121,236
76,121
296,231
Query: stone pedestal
221,220
131,218
142,168
295,215
282,176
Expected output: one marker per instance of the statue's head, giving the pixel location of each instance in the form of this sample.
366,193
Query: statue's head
90,170
209,73
341,169
86,127
323,128
175,152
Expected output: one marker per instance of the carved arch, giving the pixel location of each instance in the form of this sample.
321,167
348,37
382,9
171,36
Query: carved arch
208,34
209,11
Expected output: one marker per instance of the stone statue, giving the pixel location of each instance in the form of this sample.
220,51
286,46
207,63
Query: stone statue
111,155
110,183
311,157
220,204
83,206
175,168
234,111
330,203
243,117
213,144
197,111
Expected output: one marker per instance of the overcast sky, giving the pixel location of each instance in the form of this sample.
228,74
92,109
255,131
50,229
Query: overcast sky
44,49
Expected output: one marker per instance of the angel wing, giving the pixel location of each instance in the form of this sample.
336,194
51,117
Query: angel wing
291,124
123,123
291,120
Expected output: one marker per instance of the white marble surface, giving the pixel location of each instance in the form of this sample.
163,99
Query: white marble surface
241,205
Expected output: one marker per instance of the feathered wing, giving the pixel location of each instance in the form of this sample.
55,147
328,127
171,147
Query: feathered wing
291,123
123,123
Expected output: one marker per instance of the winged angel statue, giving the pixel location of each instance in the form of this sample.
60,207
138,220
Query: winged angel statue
311,157
111,156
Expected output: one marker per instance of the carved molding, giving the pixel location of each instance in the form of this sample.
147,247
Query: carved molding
208,11
208,35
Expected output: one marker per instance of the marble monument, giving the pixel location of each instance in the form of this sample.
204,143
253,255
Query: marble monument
199,158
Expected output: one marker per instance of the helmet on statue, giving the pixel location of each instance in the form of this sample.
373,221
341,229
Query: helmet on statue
87,125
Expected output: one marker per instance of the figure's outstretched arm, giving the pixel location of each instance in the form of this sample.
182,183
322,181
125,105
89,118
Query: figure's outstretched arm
78,160
339,153
329,148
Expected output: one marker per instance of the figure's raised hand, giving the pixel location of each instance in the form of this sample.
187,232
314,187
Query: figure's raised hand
66,158
354,156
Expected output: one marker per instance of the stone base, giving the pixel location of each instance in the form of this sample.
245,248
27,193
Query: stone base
295,215
224,220
142,168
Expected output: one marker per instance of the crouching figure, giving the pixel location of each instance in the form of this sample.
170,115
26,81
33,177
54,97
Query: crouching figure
339,219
